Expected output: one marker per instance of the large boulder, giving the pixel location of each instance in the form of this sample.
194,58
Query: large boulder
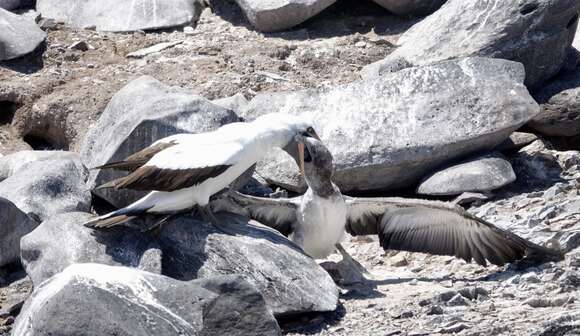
275,15
19,35
92,299
560,106
144,111
388,132
290,281
14,224
62,241
411,7
11,164
536,33
478,174
121,16
43,189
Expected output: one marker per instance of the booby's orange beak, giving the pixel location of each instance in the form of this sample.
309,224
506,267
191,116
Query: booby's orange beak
301,157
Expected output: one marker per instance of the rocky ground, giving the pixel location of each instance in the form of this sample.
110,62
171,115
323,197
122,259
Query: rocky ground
51,98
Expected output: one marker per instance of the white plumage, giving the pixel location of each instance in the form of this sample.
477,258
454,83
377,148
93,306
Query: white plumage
193,167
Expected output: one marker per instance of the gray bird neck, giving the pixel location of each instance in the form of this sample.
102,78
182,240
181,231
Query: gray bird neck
321,185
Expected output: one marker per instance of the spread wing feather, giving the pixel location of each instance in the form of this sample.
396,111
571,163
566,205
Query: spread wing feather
438,228
277,213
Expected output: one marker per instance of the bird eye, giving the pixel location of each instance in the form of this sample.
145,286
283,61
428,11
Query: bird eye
310,130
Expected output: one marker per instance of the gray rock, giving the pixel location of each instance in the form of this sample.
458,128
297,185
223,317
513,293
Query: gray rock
92,299
275,15
469,198
516,140
121,16
457,300
535,33
142,112
12,163
560,106
530,278
479,174
290,281
43,189
62,241
14,224
537,165
235,103
18,35
13,4
388,132
411,7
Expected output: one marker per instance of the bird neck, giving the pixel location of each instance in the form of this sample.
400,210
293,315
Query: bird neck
268,137
321,185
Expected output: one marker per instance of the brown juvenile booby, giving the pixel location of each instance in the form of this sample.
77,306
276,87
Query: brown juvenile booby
317,220
187,169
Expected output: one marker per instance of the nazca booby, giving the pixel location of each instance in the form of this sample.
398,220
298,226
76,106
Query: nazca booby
317,220
185,170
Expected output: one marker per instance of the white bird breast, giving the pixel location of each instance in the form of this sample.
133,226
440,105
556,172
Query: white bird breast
322,224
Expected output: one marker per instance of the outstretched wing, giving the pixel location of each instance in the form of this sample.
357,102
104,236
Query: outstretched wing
181,166
277,213
438,228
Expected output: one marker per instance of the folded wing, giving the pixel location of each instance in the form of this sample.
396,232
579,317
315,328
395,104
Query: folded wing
181,166
438,228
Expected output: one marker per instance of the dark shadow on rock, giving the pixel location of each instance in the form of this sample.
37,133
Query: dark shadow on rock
345,17
311,323
27,64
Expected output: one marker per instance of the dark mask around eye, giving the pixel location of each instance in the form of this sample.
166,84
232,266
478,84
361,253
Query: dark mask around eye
307,156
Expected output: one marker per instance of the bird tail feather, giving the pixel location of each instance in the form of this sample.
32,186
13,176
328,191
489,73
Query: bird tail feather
111,219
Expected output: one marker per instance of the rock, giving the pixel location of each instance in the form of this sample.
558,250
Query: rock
457,300
388,132
454,328
142,112
43,189
560,106
469,198
93,299
125,16
12,163
398,261
18,35
435,310
13,4
14,224
411,7
153,49
479,174
62,241
531,278
234,103
80,45
276,15
535,33
541,302
290,281
516,141
536,165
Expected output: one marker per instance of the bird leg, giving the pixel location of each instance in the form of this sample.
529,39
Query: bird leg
155,228
208,216
354,272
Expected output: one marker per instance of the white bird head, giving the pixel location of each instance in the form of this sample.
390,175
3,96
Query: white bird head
287,127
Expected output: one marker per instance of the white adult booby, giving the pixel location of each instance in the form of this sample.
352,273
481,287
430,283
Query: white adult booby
187,169
317,220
